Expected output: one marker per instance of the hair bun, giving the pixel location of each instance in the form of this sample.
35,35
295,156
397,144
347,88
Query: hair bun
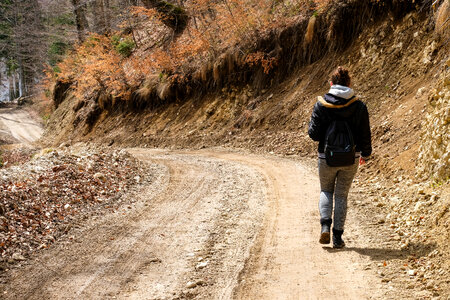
342,71
341,76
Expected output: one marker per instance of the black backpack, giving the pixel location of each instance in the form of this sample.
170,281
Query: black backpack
339,144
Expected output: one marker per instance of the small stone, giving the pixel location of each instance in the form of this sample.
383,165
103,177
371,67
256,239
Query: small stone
202,265
17,257
412,272
100,176
419,205
420,91
67,206
192,284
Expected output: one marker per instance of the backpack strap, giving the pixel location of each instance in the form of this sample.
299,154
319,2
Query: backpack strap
329,105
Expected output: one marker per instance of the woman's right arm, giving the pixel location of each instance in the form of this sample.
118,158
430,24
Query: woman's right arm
365,134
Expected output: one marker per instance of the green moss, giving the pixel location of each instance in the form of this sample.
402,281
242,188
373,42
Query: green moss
437,183
125,47
46,117
56,69
171,9
11,66
55,52
115,40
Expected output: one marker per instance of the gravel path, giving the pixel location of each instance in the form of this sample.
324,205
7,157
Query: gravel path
20,125
211,225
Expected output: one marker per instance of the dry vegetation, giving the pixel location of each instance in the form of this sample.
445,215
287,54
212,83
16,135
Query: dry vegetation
231,42
42,199
120,62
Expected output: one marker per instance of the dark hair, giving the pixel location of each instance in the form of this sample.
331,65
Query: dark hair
341,77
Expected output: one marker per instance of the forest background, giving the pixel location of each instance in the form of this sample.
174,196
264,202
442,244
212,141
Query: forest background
115,46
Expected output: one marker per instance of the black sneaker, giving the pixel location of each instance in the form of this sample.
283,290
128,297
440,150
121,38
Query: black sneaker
325,232
338,242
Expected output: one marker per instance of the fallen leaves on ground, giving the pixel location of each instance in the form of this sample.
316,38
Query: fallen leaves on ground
43,198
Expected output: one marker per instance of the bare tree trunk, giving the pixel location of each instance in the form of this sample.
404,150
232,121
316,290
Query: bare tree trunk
11,87
80,18
98,16
107,15
21,80
14,83
128,3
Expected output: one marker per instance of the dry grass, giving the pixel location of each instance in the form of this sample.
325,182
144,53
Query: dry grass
148,88
443,20
310,30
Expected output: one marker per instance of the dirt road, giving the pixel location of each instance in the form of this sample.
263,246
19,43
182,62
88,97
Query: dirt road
20,125
212,225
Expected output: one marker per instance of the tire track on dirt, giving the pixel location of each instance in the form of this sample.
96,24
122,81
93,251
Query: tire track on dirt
287,262
196,207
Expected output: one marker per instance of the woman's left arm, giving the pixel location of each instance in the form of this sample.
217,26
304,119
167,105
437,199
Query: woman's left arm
315,124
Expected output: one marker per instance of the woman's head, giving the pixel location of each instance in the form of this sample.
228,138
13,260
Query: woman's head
340,76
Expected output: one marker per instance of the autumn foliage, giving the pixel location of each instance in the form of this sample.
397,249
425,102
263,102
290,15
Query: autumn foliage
120,62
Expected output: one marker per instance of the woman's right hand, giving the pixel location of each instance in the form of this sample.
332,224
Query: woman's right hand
362,161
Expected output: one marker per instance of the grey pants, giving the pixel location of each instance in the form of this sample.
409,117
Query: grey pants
335,181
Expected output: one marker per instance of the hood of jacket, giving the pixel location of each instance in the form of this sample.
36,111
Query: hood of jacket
340,101
341,92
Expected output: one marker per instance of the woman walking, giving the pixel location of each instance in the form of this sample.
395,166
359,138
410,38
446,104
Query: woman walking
340,123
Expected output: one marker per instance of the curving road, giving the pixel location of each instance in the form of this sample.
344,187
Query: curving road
212,225
20,125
